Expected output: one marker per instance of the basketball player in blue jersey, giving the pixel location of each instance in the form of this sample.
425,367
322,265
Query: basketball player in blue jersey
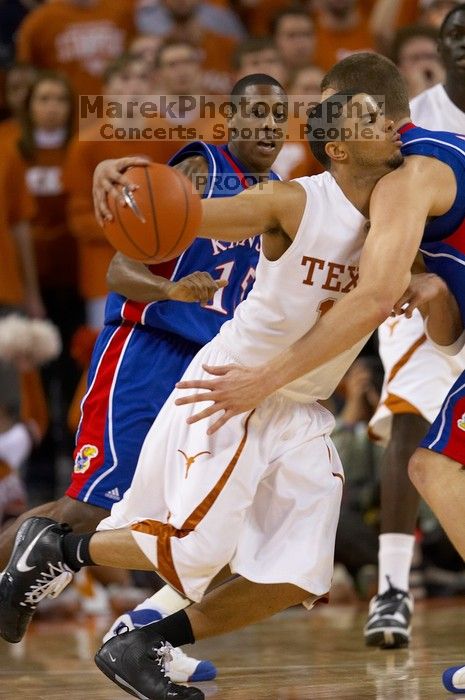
151,334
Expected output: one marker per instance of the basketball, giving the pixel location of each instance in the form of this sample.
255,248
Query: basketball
159,220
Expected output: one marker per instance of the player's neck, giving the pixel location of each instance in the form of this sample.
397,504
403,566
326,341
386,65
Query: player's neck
455,90
357,186
246,165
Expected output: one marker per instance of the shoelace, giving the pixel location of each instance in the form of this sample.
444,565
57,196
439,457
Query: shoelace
51,584
164,657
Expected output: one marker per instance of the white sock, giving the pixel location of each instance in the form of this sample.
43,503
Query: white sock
167,601
394,560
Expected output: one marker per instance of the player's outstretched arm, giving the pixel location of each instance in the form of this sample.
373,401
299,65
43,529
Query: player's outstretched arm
272,207
397,217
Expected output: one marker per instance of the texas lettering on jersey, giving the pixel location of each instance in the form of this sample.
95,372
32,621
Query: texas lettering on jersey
331,276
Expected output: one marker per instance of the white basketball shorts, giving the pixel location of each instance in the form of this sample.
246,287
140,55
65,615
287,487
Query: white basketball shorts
417,376
262,494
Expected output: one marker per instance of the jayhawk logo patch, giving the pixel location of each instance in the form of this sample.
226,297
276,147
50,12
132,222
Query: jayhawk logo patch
83,458
461,422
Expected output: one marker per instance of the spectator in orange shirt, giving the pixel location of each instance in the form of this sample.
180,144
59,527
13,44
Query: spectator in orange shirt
46,128
19,287
145,47
414,51
18,80
182,19
179,72
160,17
389,15
258,14
341,29
434,11
258,55
296,159
76,37
294,35
126,77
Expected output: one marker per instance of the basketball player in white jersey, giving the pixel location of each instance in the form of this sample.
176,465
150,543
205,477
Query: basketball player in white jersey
262,494
417,375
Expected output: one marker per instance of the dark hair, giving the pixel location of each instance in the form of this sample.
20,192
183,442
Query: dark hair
119,65
253,44
323,118
405,34
254,79
292,11
373,74
458,8
169,43
26,143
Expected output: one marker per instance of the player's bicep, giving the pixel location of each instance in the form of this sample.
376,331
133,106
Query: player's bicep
398,214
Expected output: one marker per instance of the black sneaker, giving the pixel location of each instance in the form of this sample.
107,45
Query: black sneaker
139,667
36,569
389,615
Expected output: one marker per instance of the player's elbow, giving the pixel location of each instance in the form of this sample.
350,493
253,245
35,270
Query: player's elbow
384,295
114,277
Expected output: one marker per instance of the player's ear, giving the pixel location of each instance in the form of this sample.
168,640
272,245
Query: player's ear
230,111
336,151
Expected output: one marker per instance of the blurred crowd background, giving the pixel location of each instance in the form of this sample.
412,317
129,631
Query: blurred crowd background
54,257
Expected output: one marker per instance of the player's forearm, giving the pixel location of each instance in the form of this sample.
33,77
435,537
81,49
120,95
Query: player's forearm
331,336
249,213
444,322
135,281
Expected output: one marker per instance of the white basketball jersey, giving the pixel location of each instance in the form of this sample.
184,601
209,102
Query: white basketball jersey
290,294
433,109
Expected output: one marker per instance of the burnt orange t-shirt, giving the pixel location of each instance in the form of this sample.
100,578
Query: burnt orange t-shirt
258,18
55,248
10,130
95,253
217,67
78,41
16,205
332,46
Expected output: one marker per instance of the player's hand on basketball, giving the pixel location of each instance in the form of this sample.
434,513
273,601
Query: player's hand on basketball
109,177
198,286
423,288
234,390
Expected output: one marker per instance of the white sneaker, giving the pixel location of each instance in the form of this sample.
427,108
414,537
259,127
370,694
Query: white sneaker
182,668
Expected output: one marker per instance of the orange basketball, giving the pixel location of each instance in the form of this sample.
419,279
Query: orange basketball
160,219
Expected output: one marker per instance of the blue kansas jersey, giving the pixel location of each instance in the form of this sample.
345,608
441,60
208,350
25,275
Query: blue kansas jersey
233,261
443,243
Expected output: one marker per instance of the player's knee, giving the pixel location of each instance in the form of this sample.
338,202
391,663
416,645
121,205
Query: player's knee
419,469
82,517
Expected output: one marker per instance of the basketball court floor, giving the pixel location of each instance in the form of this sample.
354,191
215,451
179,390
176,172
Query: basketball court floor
295,656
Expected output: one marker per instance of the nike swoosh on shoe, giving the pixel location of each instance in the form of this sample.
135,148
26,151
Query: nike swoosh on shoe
22,565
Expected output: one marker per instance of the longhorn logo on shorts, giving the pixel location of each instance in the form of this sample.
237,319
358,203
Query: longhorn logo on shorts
83,458
190,460
392,325
461,422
